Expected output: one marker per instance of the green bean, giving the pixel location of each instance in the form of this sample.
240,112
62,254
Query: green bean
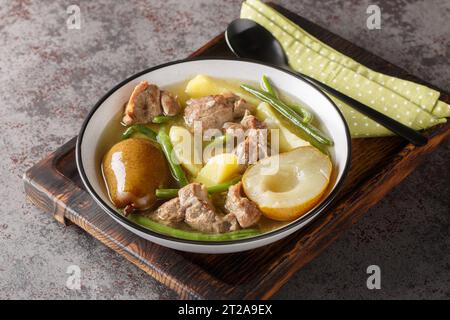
221,187
312,132
166,193
308,116
267,86
175,168
139,128
191,235
162,119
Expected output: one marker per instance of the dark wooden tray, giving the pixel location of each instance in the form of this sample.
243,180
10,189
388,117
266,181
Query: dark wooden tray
377,166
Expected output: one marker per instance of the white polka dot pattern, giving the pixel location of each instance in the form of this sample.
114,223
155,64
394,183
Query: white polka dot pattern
394,97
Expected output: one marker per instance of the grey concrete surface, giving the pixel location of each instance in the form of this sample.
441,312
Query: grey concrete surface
51,76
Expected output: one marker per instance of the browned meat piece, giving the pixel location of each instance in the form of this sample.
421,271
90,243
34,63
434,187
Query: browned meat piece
169,104
170,212
243,151
253,146
200,213
249,121
241,107
232,126
194,207
143,105
230,96
146,102
235,130
214,111
245,211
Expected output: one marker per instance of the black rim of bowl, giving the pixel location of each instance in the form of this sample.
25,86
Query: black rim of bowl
313,214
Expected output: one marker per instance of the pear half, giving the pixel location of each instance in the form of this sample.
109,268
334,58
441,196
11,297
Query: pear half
287,185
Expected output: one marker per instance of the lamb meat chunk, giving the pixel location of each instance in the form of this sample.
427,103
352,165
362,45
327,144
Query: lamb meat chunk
235,130
200,213
213,111
249,121
170,212
245,211
229,96
231,126
253,146
241,107
194,207
146,102
169,104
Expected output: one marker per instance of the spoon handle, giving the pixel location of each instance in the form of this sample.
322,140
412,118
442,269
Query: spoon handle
400,129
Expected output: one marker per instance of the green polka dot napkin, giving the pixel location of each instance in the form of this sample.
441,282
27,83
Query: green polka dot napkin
412,104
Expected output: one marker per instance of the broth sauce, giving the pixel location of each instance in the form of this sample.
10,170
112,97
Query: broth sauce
113,133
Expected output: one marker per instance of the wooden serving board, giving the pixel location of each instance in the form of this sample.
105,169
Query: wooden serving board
378,164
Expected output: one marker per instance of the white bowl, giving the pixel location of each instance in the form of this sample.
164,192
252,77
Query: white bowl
167,74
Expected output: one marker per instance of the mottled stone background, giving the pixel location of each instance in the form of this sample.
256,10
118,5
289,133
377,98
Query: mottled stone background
51,76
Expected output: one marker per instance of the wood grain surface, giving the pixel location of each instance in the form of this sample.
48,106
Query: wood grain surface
378,164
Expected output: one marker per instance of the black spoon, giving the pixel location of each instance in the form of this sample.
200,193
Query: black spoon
249,40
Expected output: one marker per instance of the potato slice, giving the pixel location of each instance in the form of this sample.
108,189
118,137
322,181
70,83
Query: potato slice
291,188
183,147
202,85
218,169
288,139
